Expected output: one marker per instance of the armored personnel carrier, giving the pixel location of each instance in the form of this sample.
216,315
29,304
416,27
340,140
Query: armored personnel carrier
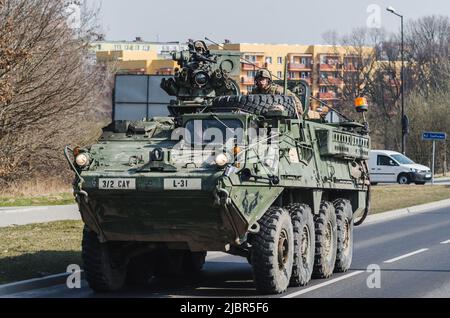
242,174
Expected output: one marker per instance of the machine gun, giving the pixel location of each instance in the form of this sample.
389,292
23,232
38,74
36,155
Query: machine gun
203,75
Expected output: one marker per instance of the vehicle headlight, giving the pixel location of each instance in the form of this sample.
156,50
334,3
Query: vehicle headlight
221,159
82,160
414,170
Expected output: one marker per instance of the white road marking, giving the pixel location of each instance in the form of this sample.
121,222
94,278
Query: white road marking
445,242
406,255
307,290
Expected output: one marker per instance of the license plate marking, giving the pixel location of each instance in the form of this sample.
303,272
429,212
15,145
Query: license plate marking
182,184
117,183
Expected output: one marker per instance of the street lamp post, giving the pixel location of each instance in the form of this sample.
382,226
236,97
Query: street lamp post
404,121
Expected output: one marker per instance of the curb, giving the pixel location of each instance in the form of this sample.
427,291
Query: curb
422,208
34,283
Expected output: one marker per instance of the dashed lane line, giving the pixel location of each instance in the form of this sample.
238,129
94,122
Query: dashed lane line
392,260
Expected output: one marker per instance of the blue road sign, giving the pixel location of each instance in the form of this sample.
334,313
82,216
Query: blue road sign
428,135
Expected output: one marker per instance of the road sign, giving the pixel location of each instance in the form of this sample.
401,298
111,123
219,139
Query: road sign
433,136
429,135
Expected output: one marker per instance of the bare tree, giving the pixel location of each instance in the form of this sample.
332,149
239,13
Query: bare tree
50,93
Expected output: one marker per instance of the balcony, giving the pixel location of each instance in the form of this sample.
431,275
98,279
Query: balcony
350,67
245,80
328,95
250,67
330,81
299,67
307,79
329,67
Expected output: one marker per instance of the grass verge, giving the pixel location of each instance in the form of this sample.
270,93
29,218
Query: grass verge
36,250
386,198
52,199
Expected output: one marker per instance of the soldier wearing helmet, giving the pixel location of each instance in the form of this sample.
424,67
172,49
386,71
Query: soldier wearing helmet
264,85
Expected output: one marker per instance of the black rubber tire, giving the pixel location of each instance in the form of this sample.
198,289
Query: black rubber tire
403,179
169,263
304,233
140,269
101,274
326,241
272,270
193,262
257,104
344,222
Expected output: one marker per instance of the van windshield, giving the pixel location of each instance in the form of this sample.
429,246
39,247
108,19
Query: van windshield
402,159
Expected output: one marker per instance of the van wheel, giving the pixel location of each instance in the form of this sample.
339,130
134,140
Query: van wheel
326,241
403,179
304,243
272,252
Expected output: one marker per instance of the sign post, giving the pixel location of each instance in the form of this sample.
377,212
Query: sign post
433,136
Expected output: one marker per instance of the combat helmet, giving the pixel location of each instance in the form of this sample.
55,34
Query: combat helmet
263,73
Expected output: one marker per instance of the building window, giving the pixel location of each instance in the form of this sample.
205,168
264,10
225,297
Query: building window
291,74
146,48
269,60
280,74
117,47
279,60
304,75
323,89
249,89
251,74
303,60
250,58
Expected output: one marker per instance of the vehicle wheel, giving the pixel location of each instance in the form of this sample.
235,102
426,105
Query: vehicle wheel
193,262
403,179
344,222
140,269
304,243
257,104
101,272
272,252
420,183
169,263
326,241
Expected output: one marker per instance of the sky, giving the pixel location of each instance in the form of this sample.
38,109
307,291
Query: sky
252,21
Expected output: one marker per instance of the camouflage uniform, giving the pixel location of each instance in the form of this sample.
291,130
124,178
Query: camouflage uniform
274,89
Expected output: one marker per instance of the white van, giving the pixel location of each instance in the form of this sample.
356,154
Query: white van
391,166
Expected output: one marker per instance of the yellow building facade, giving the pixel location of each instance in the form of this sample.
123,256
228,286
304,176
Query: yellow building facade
137,62
323,67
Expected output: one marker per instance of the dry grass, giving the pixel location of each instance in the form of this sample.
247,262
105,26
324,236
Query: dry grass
385,198
52,191
36,187
38,250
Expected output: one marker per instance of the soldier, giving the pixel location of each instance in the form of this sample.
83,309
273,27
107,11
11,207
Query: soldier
264,85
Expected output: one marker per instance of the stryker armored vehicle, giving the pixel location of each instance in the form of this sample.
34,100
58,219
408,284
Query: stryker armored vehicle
241,174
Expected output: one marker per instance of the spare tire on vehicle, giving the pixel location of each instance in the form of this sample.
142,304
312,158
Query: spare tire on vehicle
255,104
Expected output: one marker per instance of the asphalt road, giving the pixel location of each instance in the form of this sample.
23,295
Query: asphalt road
412,253
26,215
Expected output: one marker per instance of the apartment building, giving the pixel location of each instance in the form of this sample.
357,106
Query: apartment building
138,56
323,67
